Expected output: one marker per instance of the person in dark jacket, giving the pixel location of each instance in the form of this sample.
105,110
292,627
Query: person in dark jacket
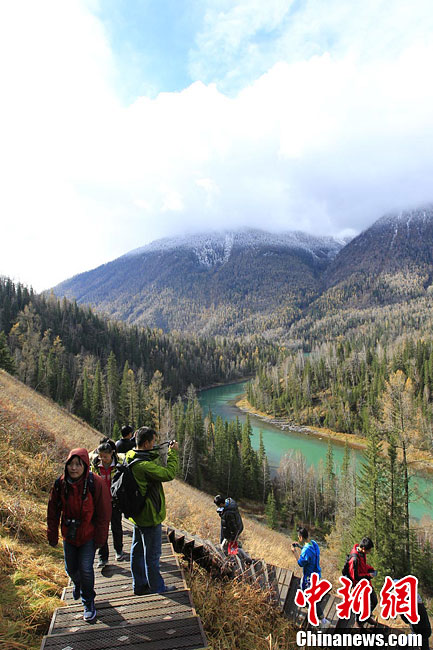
127,441
359,569
423,626
103,462
231,526
309,561
231,520
81,503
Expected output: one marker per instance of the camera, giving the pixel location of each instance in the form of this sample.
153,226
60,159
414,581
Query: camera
72,526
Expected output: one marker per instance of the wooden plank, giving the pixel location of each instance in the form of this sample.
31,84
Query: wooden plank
116,611
290,609
106,588
283,585
184,634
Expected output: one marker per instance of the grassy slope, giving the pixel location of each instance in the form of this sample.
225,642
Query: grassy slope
35,435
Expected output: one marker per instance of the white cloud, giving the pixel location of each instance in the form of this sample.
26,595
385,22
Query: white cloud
325,142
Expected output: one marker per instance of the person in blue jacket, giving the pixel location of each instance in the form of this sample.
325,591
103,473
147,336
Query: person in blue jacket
309,560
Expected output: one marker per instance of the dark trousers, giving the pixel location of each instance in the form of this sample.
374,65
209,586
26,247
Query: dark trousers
373,603
422,627
117,532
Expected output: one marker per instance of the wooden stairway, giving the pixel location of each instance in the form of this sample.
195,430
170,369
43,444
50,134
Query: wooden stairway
153,622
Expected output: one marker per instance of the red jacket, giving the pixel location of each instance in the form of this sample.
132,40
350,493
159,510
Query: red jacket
94,511
358,567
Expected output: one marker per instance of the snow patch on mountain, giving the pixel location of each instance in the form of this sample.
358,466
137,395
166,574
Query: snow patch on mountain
215,248
405,218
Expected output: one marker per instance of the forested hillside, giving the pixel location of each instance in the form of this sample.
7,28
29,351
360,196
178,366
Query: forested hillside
105,371
232,284
344,386
291,288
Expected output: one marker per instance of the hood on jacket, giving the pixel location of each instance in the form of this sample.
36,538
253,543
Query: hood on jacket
230,504
81,453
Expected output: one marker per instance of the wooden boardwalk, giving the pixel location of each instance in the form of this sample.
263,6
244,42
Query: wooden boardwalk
152,622
280,584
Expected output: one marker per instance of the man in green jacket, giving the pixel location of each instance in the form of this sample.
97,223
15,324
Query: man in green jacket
146,538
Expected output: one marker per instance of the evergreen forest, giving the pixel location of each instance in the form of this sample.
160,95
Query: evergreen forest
370,383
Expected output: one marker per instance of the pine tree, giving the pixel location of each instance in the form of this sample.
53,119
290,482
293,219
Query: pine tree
265,476
369,521
97,399
399,422
86,396
330,480
116,432
112,393
6,360
250,469
271,511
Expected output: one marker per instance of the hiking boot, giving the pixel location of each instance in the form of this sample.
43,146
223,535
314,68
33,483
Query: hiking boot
102,563
142,591
76,592
89,612
169,588
120,556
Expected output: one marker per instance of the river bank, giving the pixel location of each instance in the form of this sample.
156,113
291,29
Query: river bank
219,384
416,459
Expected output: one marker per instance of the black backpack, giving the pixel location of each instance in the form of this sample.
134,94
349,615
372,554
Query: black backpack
345,570
125,491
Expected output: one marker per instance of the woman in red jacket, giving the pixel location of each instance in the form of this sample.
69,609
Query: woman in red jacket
83,503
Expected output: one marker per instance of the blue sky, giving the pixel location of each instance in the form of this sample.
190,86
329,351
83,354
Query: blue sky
151,41
123,121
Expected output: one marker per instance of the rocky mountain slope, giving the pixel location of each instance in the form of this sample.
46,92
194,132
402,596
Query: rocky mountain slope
213,283
235,283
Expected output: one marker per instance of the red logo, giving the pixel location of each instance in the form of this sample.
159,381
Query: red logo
400,597
356,600
313,595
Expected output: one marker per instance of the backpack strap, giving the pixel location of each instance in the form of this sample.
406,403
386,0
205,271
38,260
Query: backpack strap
91,483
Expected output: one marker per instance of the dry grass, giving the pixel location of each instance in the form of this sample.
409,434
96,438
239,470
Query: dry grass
35,435
194,511
29,410
237,616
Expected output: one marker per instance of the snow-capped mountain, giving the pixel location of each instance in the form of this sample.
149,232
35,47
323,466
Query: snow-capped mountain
242,282
218,282
213,248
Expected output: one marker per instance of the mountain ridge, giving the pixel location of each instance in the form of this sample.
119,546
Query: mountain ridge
247,281
212,283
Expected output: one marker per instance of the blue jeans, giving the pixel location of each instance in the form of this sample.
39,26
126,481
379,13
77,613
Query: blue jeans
145,554
79,567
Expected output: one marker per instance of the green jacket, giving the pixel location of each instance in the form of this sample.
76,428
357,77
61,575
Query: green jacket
150,475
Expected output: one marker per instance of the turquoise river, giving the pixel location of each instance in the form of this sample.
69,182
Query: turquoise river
221,401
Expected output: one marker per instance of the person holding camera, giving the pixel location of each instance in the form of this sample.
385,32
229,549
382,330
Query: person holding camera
146,545
307,554
79,501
